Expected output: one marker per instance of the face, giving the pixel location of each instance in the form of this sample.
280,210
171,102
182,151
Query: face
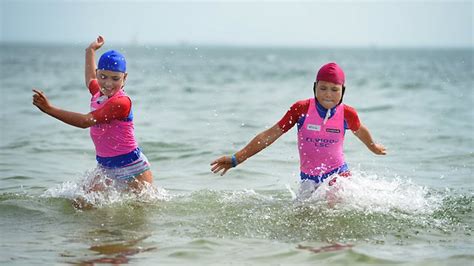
110,82
328,94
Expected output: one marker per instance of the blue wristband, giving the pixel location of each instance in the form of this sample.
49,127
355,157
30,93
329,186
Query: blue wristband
234,161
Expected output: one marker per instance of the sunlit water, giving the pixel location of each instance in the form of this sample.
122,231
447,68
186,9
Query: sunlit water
193,104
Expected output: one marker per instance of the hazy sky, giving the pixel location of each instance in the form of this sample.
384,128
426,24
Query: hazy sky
288,23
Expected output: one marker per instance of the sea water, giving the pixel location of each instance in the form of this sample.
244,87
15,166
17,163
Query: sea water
192,104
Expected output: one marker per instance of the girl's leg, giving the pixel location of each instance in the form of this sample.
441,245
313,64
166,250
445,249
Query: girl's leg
306,189
331,195
137,184
98,184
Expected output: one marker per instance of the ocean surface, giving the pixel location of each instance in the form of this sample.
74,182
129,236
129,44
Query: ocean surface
192,104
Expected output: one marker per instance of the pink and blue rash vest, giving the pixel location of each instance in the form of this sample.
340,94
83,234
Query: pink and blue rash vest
321,145
114,140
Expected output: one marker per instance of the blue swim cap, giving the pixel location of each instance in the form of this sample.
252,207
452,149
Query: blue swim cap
113,61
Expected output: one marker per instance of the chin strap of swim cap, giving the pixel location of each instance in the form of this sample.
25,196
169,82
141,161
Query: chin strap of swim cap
328,114
343,90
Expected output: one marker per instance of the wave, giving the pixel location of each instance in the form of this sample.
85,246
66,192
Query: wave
361,208
368,208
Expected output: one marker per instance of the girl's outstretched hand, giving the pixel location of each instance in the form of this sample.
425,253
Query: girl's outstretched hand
378,149
223,163
41,101
97,43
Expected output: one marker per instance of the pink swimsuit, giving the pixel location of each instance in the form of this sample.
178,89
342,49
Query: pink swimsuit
117,151
321,145
113,138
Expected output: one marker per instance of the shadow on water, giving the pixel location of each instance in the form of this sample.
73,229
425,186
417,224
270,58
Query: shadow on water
112,235
115,253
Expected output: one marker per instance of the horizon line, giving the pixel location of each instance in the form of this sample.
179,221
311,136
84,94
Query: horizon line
242,45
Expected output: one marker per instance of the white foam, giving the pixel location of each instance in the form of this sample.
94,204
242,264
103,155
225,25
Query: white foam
373,194
112,193
293,193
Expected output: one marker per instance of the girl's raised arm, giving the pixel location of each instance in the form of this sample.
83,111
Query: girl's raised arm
90,59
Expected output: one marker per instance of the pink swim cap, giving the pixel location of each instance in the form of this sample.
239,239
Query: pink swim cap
331,72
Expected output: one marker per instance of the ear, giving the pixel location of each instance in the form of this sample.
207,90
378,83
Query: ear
124,77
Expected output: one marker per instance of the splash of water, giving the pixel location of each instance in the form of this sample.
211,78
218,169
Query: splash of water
372,194
361,207
111,192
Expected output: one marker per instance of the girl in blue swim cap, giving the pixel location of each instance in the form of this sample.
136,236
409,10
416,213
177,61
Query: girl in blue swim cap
110,121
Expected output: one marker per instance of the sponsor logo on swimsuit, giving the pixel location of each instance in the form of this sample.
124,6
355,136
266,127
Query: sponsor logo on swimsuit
314,127
333,130
318,142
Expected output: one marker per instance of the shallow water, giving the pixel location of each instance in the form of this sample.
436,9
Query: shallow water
193,104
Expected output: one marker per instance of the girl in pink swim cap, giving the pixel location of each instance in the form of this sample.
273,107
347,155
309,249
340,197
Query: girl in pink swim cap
110,120
321,123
